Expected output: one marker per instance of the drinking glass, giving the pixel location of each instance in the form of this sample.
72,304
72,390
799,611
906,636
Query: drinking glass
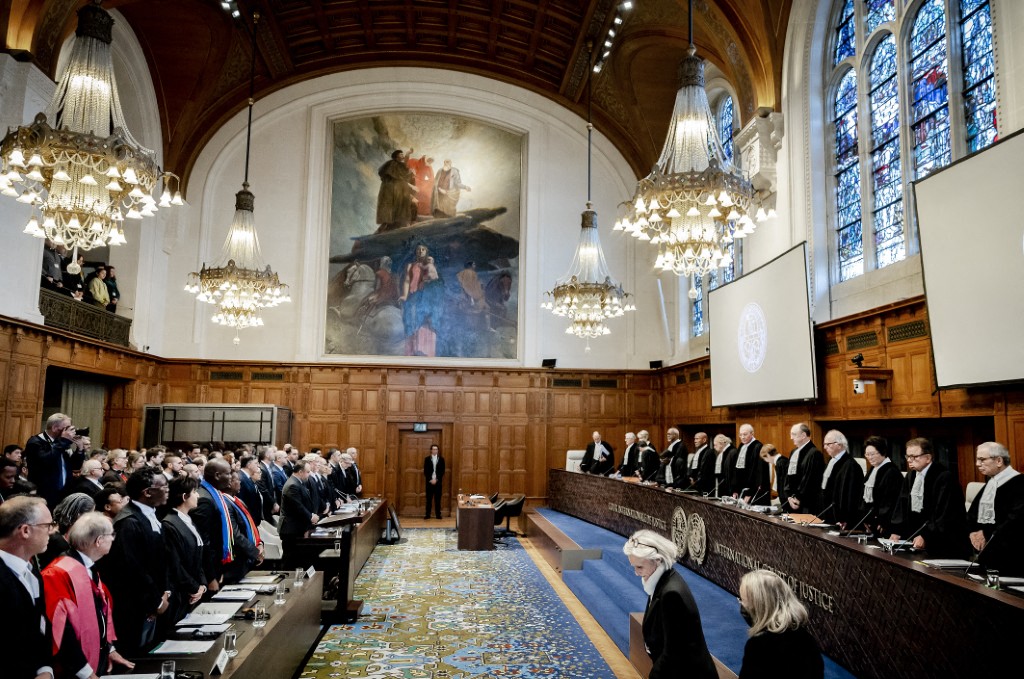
230,646
299,574
167,669
279,595
992,578
259,615
337,546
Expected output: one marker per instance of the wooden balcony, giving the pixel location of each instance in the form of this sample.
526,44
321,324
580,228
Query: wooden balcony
64,312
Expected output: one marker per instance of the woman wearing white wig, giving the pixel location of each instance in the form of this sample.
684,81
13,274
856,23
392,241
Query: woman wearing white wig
778,630
672,630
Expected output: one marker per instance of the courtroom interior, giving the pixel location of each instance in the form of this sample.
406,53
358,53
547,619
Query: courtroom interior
497,337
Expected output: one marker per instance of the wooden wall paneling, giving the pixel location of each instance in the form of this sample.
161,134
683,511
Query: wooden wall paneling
475,457
369,437
512,441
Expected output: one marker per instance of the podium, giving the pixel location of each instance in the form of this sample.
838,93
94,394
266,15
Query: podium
476,524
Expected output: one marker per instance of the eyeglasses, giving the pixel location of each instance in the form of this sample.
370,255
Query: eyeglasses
831,443
106,535
914,457
982,458
51,526
636,542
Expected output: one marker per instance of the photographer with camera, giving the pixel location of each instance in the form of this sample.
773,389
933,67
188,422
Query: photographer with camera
54,455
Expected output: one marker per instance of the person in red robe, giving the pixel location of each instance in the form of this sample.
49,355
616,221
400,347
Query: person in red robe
423,169
79,605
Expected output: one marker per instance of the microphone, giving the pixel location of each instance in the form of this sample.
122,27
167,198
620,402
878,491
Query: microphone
716,487
911,538
862,520
652,475
692,481
817,515
758,497
982,551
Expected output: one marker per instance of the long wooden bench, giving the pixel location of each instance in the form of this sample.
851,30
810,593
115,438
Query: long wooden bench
638,653
558,549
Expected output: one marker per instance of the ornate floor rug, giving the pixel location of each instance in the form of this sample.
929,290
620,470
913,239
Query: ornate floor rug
432,611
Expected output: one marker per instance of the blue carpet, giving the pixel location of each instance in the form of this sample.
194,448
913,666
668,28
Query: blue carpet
610,591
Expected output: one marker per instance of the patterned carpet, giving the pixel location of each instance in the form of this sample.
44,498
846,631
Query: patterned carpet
434,612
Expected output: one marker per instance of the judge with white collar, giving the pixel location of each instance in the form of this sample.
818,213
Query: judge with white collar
599,458
996,517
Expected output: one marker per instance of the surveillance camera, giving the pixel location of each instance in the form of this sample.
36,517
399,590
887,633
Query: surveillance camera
857,360
858,386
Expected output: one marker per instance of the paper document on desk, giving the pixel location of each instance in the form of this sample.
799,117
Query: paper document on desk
1003,580
234,595
198,619
947,563
175,647
259,579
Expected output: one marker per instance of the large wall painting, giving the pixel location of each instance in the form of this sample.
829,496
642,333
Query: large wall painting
425,230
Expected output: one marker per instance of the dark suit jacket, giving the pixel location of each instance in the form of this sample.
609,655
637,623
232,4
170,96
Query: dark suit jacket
805,484
843,496
630,460
24,647
796,648
781,468
135,572
428,468
673,633
184,565
703,476
942,519
749,476
113,476
81,484
45,461
678,464
885,496
296,509
1005,552
268,491
344,481
206,518
249,493
724,479
650,463
603,467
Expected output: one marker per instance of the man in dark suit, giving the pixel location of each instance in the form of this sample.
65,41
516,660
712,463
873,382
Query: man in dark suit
249,491
842,485
931,506
630,457
25,646
599,458
135,570
223,539
279,474
298,516
268,490
748,470
353,453
184,550
803,476
87,481
702,465
998,512
433,472
53,455
672,469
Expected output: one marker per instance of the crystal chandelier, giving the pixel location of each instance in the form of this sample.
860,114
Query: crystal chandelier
77,164
694,202
241,286
587,294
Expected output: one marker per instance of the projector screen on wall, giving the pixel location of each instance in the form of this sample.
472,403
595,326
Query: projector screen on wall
972,255
762,340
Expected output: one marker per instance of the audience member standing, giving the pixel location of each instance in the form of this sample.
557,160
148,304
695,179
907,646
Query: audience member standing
779,643
52,457
67,511
672,630
996,517
135,570
354,454
184,549
98,294
79,604
112,292
433,472
52,274
223,540
25,646
298,516
803,475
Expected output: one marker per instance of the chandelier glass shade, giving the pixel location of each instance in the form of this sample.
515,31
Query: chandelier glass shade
77,164
694,202
588,295
241,285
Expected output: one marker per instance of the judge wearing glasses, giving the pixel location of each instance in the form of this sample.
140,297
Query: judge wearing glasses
931,509
996,517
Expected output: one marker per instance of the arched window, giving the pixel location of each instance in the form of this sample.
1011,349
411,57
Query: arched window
724,122
928,92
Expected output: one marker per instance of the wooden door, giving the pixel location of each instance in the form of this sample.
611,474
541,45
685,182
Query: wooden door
412,490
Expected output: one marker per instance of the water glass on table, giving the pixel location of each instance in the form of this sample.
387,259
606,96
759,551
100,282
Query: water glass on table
231,643
259,615
167,668
279,595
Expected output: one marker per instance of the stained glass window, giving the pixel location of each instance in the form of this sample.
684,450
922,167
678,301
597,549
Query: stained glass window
846,43
698,308
725,126
929,96
886,174
979,73
878,12
847,177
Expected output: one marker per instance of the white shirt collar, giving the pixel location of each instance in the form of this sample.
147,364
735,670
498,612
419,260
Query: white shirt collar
15,563
149,513
86,561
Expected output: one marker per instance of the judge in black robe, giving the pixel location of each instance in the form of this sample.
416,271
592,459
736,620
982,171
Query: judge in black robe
184,550
599,458
843,490
630,457
940,525
881,487
803,480
725,459
650,463
702,465
747,468
999,536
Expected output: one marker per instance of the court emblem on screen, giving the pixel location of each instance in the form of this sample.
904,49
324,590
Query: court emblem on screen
680,531
697,539
752,337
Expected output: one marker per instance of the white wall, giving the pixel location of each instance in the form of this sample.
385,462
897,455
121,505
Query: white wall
290,177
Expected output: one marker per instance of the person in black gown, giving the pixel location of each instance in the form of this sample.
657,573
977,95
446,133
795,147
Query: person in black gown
778,631
672,630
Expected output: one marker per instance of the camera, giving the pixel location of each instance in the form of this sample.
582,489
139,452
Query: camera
82,431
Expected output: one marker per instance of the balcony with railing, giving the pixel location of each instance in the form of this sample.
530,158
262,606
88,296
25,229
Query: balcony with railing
66,313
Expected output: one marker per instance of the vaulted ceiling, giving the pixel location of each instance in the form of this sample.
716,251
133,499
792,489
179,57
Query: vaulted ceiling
199,55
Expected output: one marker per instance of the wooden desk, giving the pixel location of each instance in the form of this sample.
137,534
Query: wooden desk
877,614
276,650
358,534
476,524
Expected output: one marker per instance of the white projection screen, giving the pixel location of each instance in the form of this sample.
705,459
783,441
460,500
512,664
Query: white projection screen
972,254
762,337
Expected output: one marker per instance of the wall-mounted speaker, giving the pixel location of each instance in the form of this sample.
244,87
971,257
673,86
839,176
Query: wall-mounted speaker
548,362
656,364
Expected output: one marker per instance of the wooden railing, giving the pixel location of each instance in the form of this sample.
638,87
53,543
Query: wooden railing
64,312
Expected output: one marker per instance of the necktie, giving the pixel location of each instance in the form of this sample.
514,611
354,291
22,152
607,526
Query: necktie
917,494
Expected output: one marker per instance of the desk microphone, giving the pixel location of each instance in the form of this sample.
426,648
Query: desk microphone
982,551
716,487
653,474
862,520
817,515
911,538
692,481
758,497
